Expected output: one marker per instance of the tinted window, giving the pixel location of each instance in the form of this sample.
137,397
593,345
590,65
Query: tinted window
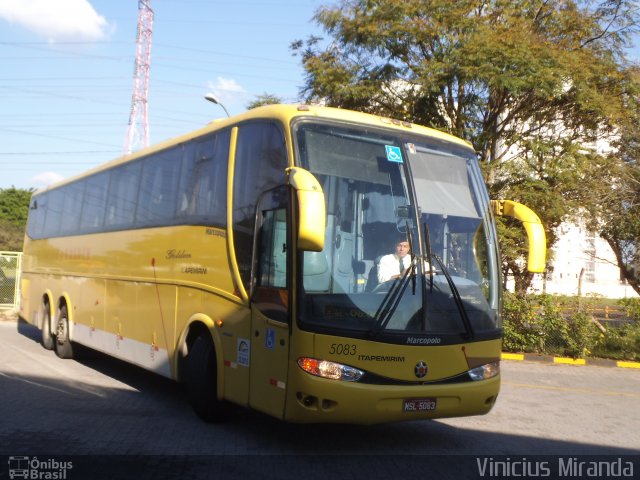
159,188
72,206
202,196
270,294
37,215
55,203
123,192
95,198
261,161
182,185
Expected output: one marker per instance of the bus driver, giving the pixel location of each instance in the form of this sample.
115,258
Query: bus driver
393,265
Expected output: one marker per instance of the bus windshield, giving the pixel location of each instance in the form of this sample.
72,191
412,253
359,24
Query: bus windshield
410,247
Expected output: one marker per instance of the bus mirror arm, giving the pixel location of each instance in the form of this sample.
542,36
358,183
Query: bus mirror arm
533,227
311,209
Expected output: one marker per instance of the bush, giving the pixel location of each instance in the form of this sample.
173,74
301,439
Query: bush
632,307
620,343
554,329
582,335
518,318
547,330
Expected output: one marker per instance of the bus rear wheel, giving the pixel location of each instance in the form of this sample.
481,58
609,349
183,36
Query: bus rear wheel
202,380
47,337
64,348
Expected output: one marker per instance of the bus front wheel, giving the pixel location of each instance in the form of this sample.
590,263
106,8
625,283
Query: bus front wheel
202,380
64,348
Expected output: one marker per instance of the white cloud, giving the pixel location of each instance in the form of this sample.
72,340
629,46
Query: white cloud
227,90
56,20
46,178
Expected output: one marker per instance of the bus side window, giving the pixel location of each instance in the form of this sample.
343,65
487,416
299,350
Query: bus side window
158,188
37,216
72,207
94,203
271,253
272,256
123,195
202,193
53,218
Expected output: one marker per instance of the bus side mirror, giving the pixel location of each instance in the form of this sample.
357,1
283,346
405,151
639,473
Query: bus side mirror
533,227
311,209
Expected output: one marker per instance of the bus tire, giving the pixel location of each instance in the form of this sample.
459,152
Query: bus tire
64,347
47,337
202,381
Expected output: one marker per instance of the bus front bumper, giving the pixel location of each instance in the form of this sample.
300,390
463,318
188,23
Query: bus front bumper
313,399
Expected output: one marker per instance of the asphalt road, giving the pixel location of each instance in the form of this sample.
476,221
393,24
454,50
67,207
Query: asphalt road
111,418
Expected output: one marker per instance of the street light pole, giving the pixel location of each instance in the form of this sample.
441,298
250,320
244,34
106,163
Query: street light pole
213,99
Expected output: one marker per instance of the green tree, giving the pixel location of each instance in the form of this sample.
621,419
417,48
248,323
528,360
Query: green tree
11,237
531,84
14,209
616,214
264,99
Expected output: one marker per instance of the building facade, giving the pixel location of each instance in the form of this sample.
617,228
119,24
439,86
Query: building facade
582,263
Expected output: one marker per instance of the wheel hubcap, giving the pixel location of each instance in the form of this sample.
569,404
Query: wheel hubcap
61,331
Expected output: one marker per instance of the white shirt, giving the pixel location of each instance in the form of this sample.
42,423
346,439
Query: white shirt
389,265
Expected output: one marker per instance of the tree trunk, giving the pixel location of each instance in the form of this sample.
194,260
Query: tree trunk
626,271
521,277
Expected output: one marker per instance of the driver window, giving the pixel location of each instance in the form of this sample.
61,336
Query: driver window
272,260
270,272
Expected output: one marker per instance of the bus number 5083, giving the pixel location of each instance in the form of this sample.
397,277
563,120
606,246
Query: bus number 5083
342,349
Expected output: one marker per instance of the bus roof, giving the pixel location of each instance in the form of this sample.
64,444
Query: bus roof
282,112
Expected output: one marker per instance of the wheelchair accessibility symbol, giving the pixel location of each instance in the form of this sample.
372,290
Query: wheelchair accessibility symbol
394,154
270,339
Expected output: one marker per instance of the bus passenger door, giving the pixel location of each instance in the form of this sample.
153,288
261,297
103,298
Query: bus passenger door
270,303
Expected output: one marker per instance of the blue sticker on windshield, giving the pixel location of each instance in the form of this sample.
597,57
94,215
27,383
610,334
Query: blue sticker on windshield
394,154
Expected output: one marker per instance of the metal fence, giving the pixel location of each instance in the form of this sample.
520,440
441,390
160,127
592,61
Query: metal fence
10,263
610,316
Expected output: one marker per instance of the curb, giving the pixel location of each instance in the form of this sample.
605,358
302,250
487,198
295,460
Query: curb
8,315
600,362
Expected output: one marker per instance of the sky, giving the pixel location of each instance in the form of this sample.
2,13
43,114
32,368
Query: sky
67,72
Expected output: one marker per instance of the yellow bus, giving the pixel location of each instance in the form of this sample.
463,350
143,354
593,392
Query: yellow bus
241,259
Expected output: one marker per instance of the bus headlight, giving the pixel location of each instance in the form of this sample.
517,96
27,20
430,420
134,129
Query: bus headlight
485,372
327,369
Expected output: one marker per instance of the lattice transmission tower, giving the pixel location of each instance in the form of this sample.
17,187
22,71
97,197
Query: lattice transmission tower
138,131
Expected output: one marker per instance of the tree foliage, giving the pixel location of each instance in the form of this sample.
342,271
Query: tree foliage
532,84
14,209
617,214
11,237
264,99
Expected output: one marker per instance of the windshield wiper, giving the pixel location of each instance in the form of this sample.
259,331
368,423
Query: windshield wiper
426,263
427,241
456,296
391,301
413,264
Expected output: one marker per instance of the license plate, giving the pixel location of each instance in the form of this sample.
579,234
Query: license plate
419,405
